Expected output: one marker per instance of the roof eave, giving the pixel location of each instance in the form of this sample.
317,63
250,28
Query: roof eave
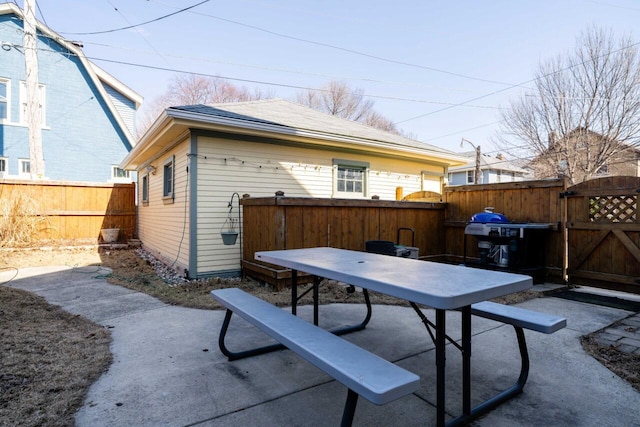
321,138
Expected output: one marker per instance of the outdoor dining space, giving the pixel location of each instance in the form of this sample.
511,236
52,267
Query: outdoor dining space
441,286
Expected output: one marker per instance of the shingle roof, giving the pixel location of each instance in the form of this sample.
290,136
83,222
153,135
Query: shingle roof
288,114
487,162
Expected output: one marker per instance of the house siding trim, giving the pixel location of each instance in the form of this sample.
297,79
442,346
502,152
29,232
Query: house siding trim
193,204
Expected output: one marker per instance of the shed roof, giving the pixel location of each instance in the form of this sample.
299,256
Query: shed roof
284,120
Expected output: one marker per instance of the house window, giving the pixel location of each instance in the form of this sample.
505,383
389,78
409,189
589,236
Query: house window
41,103
145,190
3,166
120,175
24,168
4,100
471,177
603,170
168,178
499,175
350,178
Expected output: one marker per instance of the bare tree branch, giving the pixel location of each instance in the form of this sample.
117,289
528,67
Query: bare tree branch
584,111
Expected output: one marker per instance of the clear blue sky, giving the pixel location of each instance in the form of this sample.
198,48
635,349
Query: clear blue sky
413,57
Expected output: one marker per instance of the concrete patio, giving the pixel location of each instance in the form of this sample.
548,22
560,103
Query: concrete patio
168,371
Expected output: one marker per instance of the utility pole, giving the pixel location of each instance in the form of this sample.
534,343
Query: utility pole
477,172
33,110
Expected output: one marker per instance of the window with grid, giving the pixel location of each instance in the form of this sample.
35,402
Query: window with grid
471,175
350,178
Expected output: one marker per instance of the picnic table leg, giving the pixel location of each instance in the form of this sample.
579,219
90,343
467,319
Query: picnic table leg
466,360
349,409
236,355
440,366
316,298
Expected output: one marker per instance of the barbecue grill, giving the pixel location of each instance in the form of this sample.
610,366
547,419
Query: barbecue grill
501,243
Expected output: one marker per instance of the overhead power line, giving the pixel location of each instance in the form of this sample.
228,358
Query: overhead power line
174,70
140,24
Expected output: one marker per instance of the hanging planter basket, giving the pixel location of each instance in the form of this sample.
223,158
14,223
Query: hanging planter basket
229,237
229,231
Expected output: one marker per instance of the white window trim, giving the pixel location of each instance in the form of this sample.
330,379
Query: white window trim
169,195
115,178
337,163
8,99
42,90
4,167
21,163
144,189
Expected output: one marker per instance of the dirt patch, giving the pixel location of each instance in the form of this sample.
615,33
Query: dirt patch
625,365
48,360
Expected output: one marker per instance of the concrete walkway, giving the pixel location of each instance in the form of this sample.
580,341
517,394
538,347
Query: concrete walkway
168,371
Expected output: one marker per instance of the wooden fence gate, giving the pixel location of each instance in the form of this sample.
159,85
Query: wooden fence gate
604,233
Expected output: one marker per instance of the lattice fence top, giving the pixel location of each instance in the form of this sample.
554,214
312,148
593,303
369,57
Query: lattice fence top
613,208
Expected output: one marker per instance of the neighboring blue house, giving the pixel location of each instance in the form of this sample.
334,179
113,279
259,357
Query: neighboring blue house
88,117
492,170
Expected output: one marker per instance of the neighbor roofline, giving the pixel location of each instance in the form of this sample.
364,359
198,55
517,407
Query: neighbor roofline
95,76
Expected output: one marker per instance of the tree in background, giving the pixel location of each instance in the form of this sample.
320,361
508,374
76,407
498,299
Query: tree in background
583,113
338,99
335,98
191,89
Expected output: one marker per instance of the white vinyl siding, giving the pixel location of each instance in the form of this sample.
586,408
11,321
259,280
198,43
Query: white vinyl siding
164,228
225,167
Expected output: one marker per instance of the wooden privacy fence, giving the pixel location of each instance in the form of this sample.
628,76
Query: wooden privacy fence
604,233
71,210
526,201
273,223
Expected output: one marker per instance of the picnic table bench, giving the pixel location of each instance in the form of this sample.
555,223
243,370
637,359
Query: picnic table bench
362,372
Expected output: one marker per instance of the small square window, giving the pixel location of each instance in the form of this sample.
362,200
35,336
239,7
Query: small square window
119,173
3,166
24,167
471,177
350,179
168,178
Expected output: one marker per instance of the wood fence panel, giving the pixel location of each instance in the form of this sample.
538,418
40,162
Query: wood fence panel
74,211
339,223
527,201
604,233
